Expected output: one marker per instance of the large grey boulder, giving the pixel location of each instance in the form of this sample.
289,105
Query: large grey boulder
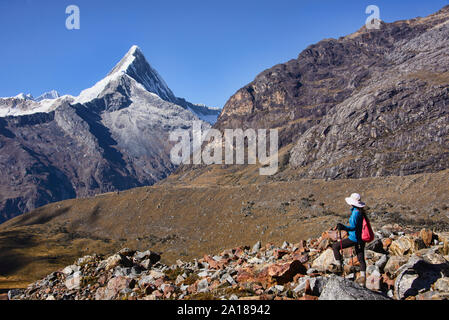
318,284
416,276
338,288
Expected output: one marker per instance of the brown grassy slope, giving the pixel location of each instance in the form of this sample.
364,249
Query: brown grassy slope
188,221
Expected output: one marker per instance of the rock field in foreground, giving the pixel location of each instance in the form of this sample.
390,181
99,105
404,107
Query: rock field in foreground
402,264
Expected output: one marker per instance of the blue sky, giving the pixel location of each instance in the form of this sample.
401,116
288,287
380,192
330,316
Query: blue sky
205,50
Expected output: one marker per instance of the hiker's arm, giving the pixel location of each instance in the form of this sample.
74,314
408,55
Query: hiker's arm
352,223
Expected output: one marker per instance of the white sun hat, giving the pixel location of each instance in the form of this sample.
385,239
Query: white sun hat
354,200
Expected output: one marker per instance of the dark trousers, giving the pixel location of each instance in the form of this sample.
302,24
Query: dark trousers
359,250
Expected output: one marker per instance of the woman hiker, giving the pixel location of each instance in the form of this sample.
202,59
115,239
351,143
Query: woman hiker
354,240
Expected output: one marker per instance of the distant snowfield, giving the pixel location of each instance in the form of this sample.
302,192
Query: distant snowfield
13,107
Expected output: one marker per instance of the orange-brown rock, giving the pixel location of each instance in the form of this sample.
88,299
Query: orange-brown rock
444,237
244,276
354,261
386,243
301,246
387,281
285,272
214,264
405,245
301,257
279,253
426,236
239,252
308,297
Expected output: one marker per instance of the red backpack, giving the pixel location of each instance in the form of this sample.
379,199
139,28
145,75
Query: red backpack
367,231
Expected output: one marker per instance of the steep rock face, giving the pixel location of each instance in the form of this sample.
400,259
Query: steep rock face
113,136
294,96
397,124
373,137
368,104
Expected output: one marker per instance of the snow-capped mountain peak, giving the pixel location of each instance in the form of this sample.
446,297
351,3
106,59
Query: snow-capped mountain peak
50,95
24,96
134,65
127,60
53,94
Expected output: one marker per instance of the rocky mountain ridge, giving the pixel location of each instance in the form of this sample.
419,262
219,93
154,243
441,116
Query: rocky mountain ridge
373,103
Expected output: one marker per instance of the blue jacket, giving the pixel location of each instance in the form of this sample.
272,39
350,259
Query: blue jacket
355,225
